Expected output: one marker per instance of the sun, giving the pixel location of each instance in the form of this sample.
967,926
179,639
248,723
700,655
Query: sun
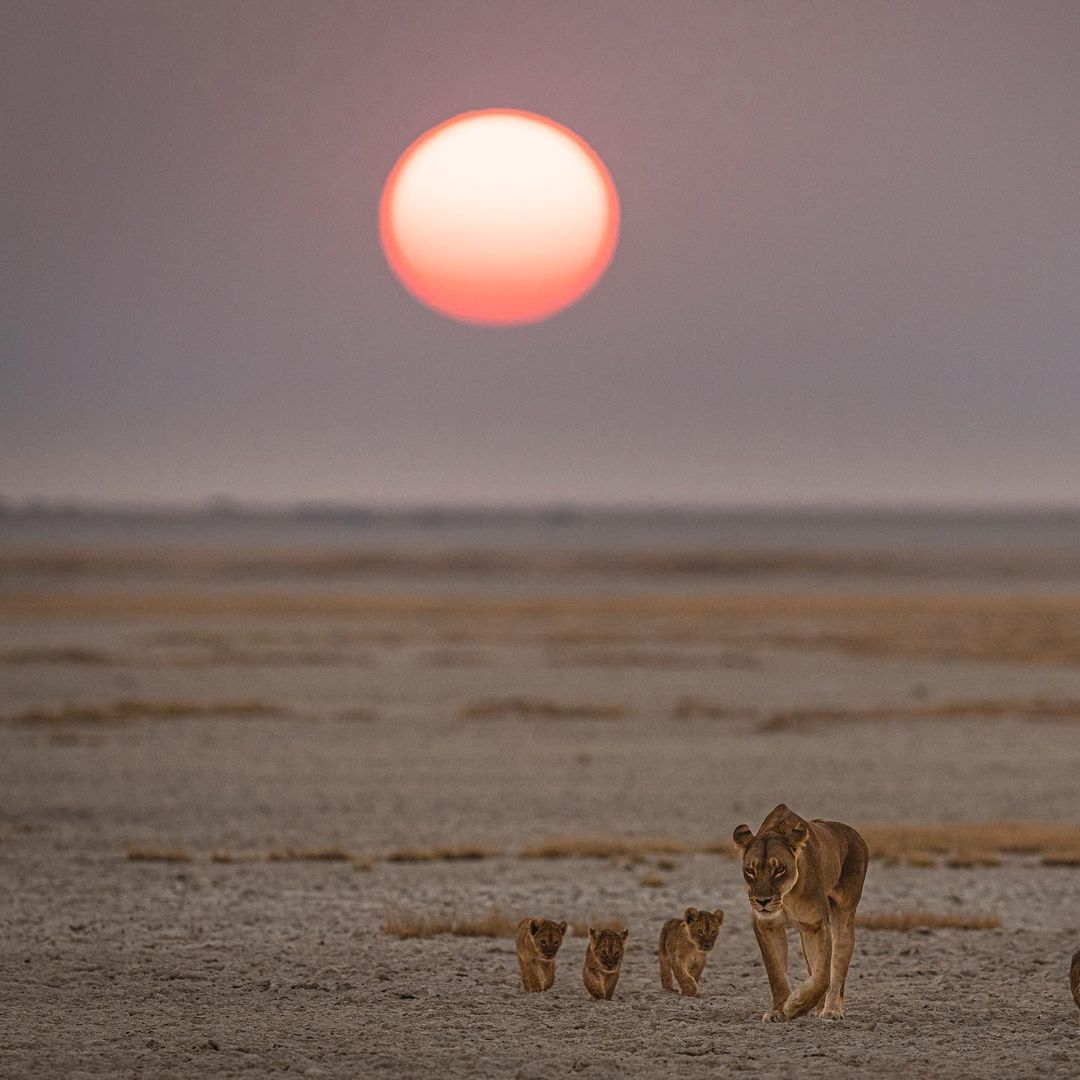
499,217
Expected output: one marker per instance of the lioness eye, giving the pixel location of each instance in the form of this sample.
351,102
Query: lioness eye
781,871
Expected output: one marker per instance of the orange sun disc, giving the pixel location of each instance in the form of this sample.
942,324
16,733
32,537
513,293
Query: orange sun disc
499,217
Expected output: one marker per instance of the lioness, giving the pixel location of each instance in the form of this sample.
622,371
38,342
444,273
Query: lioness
603,961
685,945
538,941
807,874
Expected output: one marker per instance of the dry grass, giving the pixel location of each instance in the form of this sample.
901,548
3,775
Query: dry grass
170,855
452,853
614,847
983,839
119,712
688,708
323,854
1027,629
1038,709
494,924
71,654
652,880
926,920
968,859
233,857
534,709
1061,858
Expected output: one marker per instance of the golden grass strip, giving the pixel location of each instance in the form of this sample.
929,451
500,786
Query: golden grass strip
1038,709
319,854
125,711
614,847
900,841
147,854
535,709
926,920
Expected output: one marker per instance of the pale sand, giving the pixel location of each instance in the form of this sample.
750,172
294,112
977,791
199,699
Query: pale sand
202,969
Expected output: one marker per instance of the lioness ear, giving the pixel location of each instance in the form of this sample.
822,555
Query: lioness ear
742,836
798,836
719,913
691,914
533,926
562,928
625,934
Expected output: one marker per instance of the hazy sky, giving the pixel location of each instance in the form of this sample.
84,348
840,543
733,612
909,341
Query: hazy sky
849,267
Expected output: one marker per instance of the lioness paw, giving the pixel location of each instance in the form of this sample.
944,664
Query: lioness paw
773,1016
831,1014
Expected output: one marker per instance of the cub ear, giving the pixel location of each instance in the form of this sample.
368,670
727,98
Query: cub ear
625,934
691,914
742,836
719,913
562,928
593,934
533,926
797,836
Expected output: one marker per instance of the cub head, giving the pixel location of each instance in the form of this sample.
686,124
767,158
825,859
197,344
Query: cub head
607,946
547,935
770,865
703,926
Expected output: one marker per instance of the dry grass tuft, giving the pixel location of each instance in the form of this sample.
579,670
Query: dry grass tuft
171,855
652,880
361,864
965,859
494,924
124,711
1061,858
534,709
926,920
1039,709
71,654
688,708
614,847
232,857
325,854
458,853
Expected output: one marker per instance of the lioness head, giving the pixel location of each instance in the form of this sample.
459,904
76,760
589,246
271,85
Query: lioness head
548,936
770,865
607,946
703,926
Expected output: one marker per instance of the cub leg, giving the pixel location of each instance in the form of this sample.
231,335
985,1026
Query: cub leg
665,971
547,974
687,983
530,977
772,941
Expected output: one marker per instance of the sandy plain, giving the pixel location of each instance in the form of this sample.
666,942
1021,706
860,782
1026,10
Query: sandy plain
229,722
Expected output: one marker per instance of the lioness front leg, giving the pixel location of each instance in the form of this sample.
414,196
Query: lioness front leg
818,942
772,941
843,946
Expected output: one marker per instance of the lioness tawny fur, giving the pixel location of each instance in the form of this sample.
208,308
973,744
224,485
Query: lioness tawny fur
685,945
538,941
603,961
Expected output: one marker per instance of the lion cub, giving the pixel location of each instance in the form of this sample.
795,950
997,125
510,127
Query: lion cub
538,941
603,961
684,947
